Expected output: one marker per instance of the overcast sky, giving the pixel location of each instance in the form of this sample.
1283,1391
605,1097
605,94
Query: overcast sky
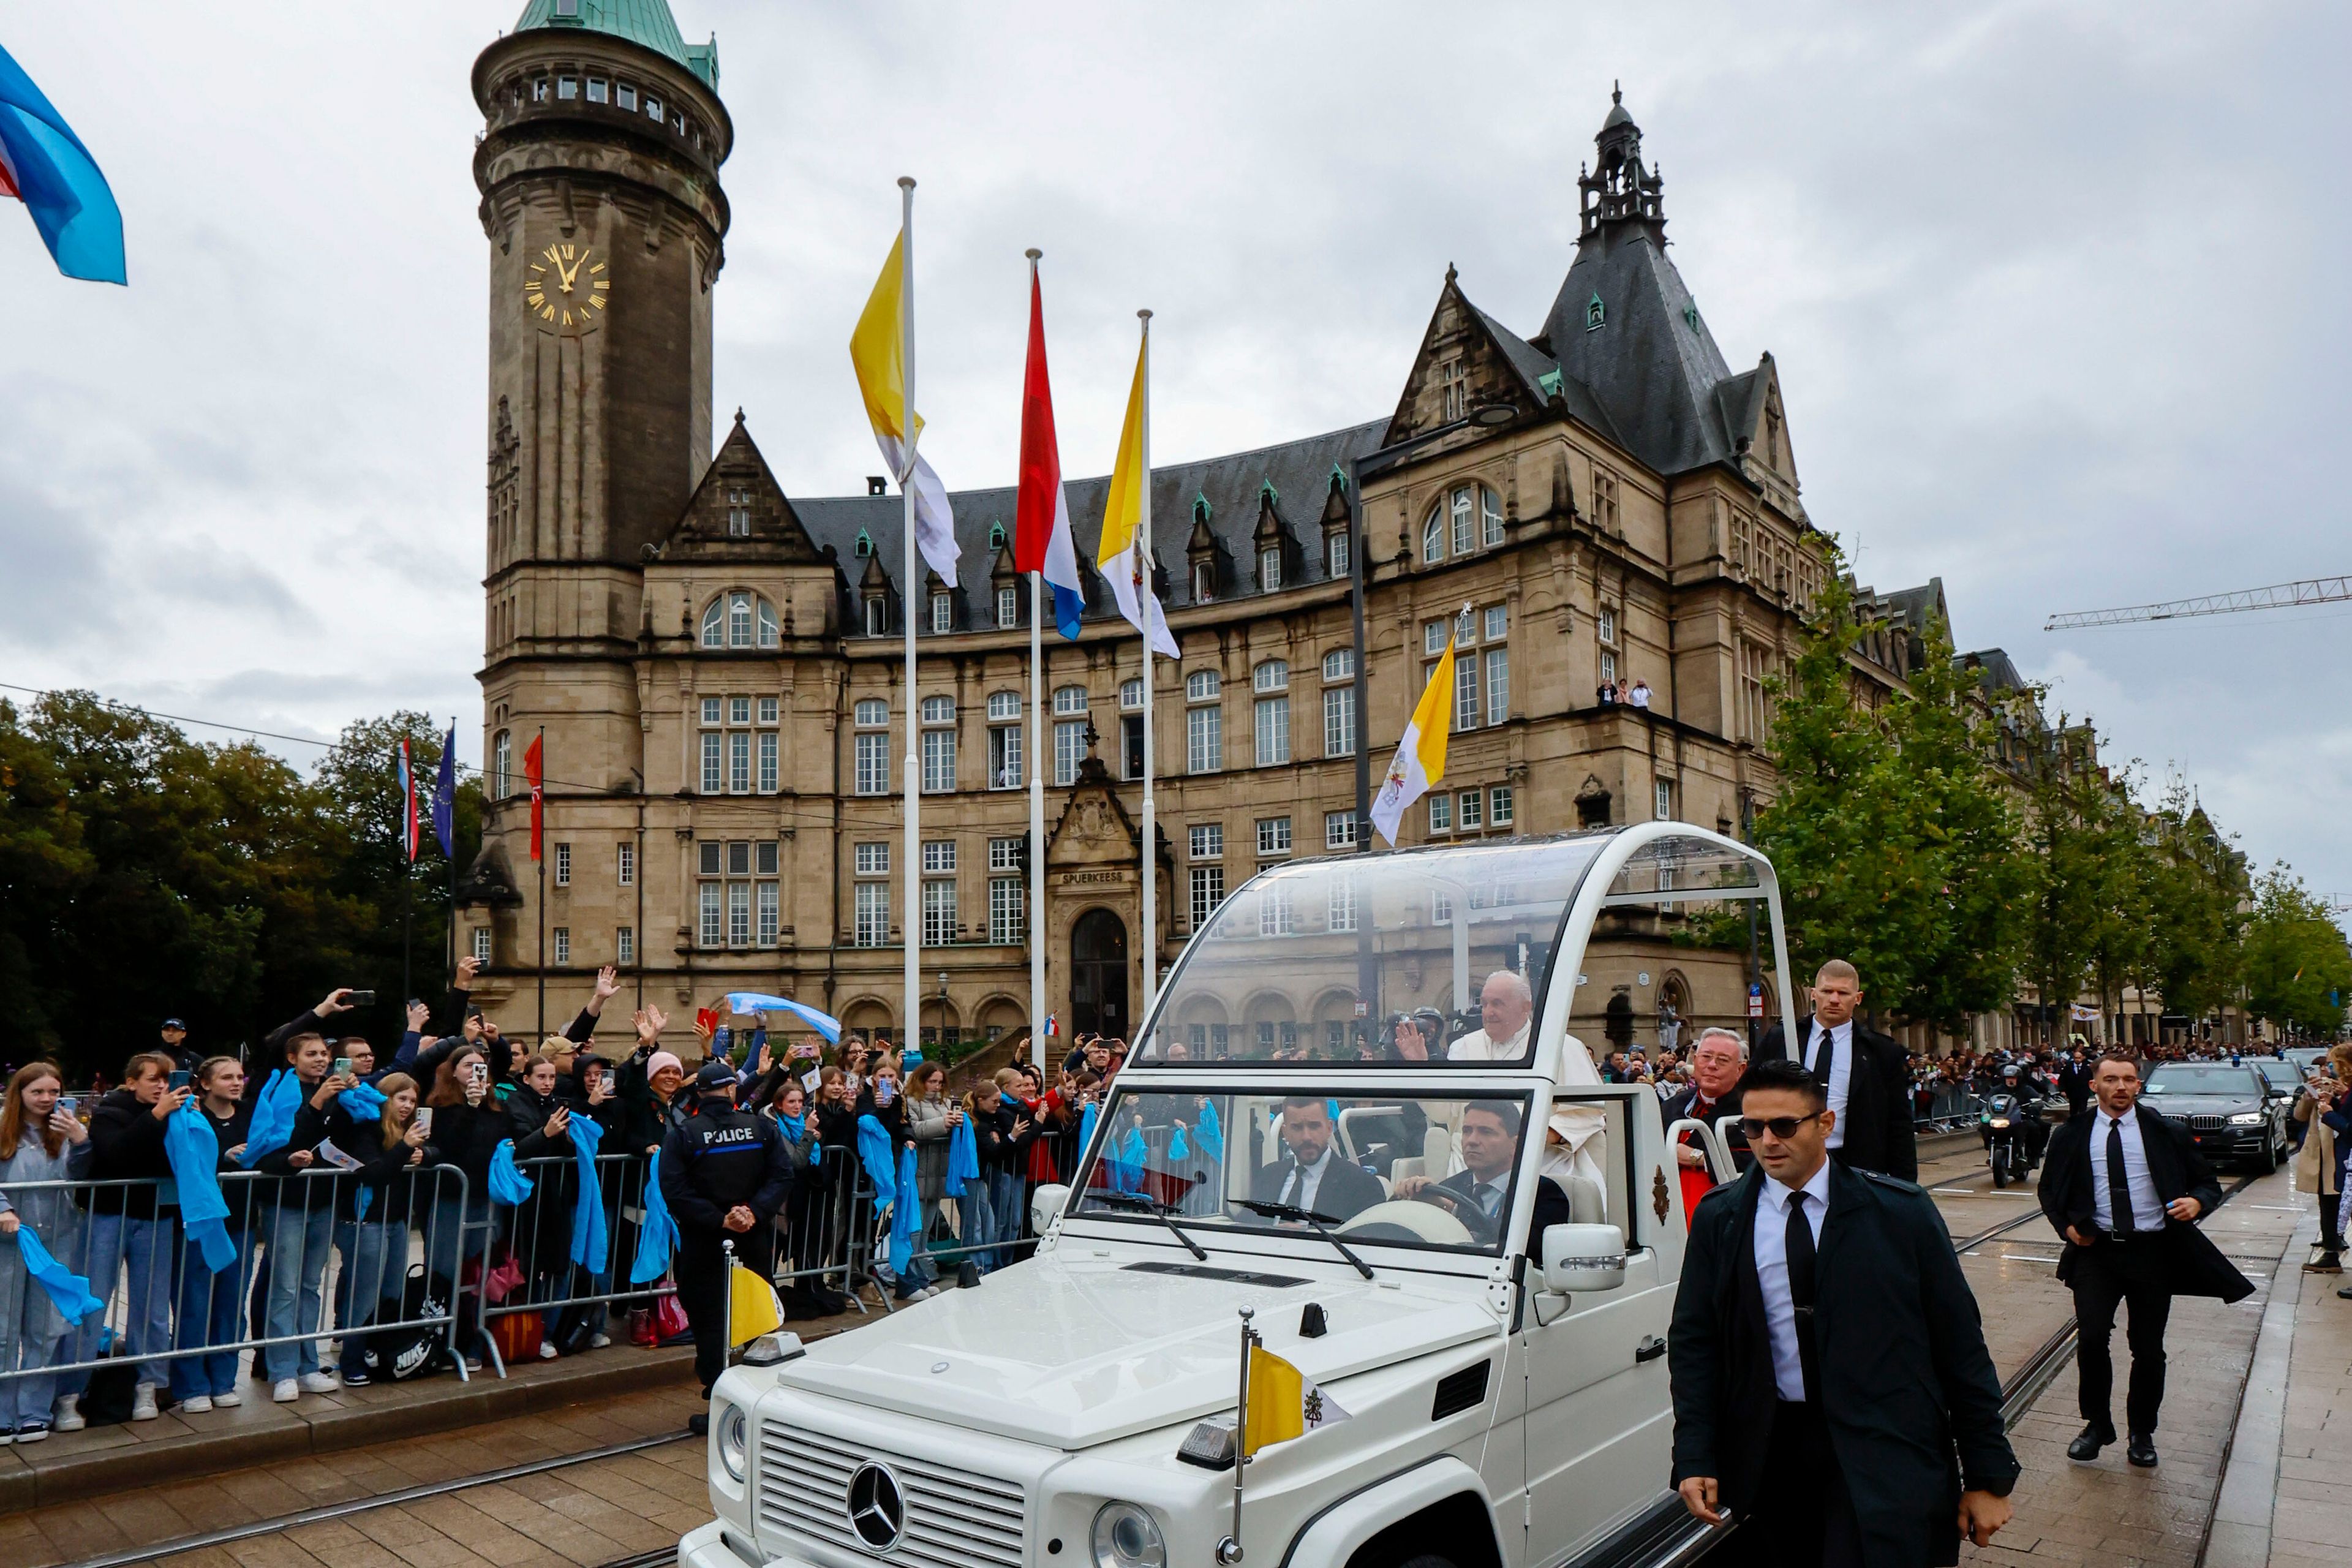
2057,293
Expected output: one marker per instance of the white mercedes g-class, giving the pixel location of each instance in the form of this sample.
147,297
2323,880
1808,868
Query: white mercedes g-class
1358,1110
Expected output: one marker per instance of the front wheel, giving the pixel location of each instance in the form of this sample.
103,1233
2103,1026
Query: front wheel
2000,1168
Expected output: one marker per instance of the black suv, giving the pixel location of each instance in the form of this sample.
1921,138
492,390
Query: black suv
2231,1111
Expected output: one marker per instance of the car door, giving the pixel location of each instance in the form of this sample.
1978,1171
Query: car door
1599,1424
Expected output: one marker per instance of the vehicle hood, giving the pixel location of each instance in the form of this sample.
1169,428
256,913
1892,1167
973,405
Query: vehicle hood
1069,1352
2176,1105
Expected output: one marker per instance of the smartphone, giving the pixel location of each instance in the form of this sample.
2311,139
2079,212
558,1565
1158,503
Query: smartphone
70,1104
179,1080
342,1067
358,998
481,1071
424,1119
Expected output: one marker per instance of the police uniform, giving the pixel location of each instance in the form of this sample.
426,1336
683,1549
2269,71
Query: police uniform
717,1159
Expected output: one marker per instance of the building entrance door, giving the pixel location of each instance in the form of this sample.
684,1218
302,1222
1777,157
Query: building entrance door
1098,975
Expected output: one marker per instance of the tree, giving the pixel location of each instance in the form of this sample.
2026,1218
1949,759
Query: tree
2197,884
2298,971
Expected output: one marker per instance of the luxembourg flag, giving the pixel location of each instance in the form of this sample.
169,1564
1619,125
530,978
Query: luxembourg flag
44,164
1041,529
1419,760
408,833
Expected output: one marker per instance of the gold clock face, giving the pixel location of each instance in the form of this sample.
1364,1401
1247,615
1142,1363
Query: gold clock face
565,289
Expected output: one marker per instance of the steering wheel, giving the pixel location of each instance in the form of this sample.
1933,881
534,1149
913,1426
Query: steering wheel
1402,1219
1481,1227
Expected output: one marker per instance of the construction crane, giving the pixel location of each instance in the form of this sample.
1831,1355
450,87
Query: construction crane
2283,595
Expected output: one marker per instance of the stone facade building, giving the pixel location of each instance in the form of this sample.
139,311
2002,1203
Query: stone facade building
715,663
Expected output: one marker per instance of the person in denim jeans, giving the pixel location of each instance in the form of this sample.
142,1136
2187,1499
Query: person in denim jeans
208,1300
931,1119
301,1226
375,1242
132,1230
38,1142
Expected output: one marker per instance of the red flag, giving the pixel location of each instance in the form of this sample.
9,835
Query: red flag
538,778
1040,460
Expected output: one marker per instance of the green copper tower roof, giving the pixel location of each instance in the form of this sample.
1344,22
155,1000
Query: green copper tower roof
647,23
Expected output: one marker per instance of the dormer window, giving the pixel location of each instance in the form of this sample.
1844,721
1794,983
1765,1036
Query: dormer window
1204,582
1008,607
1594,314
865,546
1336,554
996,536
878,616
1269,568
626,97
567,87
597,88
739,514
1454,382
942,612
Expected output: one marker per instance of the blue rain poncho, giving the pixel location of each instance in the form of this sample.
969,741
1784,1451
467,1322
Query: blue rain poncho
657,1233
68,1290
194,1153
590,1244
273,1117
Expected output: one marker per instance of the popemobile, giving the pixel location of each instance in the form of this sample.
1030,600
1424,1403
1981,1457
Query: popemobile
1307,1304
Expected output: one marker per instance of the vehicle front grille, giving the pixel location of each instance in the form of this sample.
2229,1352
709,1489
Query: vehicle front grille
2207,1124
953,1517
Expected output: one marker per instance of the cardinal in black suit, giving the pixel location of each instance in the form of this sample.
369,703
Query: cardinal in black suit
1867,1075
1315,1175
2125,1185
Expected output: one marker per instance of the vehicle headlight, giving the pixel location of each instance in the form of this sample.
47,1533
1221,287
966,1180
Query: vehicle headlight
1127,1536
2247,1119
2001,1122
733,1431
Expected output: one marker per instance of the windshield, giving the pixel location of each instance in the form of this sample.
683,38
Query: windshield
1404,1170
2281,1075
1431,955
2175,1078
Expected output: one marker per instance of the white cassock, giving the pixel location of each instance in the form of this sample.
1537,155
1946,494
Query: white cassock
1577,1132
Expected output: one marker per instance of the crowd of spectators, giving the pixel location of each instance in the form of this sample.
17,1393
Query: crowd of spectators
349,1242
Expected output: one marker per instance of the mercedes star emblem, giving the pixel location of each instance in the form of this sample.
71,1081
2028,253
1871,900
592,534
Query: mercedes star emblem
876,1506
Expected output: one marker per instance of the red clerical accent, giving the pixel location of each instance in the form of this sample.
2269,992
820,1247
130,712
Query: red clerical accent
538,778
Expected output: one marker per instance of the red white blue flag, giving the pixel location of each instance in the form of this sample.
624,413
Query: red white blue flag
44,164
408,833
1041,531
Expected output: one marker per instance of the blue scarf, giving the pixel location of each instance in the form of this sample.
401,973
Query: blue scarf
1209,1131
963,1158
903,1215
658,1233
508,1185
69,1292
1127,1171
1177,1148
273,1117
1086,1118
194,1153
363,1102
590,1244
874,1154
795,1127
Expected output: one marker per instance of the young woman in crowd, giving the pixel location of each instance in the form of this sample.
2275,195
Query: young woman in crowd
853,1066
38,1142
371,1214
647,1083
299,1210
132,1231
539,1234
803,1244
210,1302
983,1214
468,1125
931,1119
881,1100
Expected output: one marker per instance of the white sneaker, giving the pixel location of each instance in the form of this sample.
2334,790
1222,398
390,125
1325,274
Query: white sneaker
598,1341
320,1383
142,1403
196,1404
546,1351
285,1390
65,1414
229,1401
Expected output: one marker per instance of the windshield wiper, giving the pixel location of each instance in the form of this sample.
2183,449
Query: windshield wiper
1291,1211
1144,1203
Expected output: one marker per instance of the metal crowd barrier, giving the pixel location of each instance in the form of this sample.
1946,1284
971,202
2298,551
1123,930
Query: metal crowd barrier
163,1306
1951,1107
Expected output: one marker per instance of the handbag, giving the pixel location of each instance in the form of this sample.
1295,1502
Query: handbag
517,1336
670,1326
503,1280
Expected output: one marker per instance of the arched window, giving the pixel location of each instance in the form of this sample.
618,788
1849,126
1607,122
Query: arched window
1002,705
939,709
1463,539
768,628
1273,675
1340,664
1130,694
714,623
739,620
1594,314
1201,685
501,766
1490,512
872,713
1069,700
865,546
996,536
1460,521
1433,535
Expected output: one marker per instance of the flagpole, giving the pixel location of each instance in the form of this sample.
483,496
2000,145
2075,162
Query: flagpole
452,921
911,875
539,810
1145,599
1034,754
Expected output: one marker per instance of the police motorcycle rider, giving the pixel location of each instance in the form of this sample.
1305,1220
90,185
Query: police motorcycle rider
725,1173
2026,1090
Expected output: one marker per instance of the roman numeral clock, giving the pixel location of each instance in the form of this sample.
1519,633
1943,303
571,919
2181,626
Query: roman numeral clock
566,290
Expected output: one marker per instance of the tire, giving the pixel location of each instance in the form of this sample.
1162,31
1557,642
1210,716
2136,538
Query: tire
2269,1160
1999,1170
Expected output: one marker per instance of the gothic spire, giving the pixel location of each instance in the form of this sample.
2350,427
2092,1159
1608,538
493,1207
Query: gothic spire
1619,189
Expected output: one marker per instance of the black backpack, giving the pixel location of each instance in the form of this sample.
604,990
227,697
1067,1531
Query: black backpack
396,1355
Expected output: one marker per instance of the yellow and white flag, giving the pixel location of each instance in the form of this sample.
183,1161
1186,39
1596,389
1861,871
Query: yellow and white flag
752,1306
1419,760
1283,1403
878,350
1122,552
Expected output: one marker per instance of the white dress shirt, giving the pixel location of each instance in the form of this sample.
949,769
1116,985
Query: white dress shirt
1304,1182
1840,1039
2148,1209
1772,1272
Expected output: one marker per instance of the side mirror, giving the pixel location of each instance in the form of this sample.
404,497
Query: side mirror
1046,1205
1578,1257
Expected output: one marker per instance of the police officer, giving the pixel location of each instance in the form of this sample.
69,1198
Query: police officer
725,1172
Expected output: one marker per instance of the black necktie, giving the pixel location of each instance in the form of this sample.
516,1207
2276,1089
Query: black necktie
1824,1055
1800,1291
2119,1202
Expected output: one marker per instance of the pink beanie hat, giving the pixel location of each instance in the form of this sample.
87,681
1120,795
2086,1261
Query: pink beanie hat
660,1059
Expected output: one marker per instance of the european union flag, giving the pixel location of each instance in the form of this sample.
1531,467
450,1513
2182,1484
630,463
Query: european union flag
445,796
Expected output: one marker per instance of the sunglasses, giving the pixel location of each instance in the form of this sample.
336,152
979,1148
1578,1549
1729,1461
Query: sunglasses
1780,1127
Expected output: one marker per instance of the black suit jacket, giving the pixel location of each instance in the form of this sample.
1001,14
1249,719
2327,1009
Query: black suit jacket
1734,1142
1907,1388
1345,1192
1551,1206
1878,1135
2193,1264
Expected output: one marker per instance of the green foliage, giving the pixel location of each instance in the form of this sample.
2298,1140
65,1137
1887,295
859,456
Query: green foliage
2091,864
143,875
2298,971
2196,887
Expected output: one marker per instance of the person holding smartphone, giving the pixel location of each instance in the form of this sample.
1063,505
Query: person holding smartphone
132,1228
210,1302
300,1217
375,1276
39,1142
539,1235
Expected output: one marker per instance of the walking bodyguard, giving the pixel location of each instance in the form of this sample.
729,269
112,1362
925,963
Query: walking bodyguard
2124,1187
1866,1075
1831,1387
725,1173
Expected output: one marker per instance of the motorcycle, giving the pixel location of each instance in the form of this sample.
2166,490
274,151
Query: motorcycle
2003,1124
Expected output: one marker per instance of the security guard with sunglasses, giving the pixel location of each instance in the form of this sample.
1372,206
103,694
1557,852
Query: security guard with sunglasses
1831,1383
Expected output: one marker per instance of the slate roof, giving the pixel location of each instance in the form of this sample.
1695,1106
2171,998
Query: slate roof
646,22
1997,671
1299,472
1545,378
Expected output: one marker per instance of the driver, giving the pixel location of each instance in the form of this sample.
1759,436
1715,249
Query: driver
1315,1177
1490,1151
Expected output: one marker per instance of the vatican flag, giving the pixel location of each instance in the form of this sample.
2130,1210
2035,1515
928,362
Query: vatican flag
877,349
1419,760
1283,1403
752,1308
1123,550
